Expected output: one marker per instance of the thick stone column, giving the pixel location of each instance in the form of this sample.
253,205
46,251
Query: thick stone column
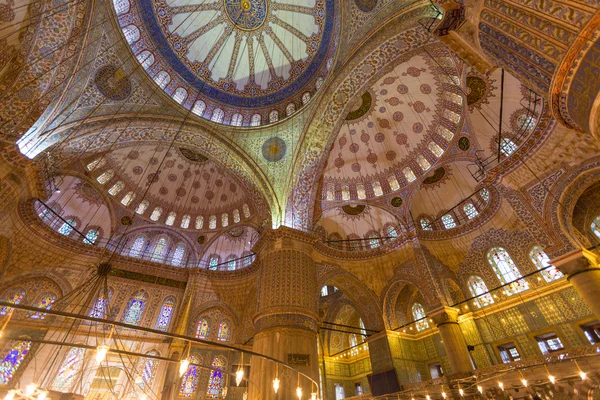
582,270
286,320
446,320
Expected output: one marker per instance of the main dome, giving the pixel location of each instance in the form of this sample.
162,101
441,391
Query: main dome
239,62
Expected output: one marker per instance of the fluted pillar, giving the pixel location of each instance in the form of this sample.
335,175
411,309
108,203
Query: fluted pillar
286,320
583,271
446,320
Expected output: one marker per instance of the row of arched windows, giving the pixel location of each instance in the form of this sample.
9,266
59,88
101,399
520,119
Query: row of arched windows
469,210
66,226
371,240
203,329
18,294
159,250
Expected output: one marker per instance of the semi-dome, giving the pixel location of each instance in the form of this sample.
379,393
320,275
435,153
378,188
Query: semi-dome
238,62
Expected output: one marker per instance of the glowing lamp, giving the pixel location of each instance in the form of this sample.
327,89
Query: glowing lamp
276,385
10,395
299,392
30,389
42,395
461,392
239,375
552,379
524,382
479,388
501,385
101,352
183,366
444,395
583,375
313,396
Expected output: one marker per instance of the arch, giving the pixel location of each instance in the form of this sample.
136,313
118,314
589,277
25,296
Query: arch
392,293
203,328
215,382
224,333
542,262
479,290
136,306
165,314
506,270
418,314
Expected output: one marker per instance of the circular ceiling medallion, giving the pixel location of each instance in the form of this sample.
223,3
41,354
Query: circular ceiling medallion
201,239
476,89
464,143
126,220
247,15
273,149
366,5
397,201
113,82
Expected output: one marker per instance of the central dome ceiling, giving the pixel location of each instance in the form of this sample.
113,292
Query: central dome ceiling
239,56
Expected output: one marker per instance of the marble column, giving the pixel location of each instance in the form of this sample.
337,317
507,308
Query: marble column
286,318
446,320
583,271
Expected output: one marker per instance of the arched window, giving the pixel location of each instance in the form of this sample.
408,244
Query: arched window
305,98
14,296
237,119
156,214
116,188
185,221
290,109
224,331
236,216
419,316
137,248
506,271
377,188
146,59
128,198
353,343
319,82
213,263
409,174
165,315
255,120
330,195
391,231
98,163
91,236
448,221
361,193
224,220
596,226
171,218
142,207
162,79
160,249
199,107
470,210
485,194
199,222
217,115
507,147
212,222
423,163
147,371
44,301
345,192
273,116
132,34
135,308
121,6
67,227
178,255
231,263
435,149
445,133
189,380
69,370
425,224
540,259
180,95
101,305
478,289
373,240
246,210
11,359
203,329
393,181
215,382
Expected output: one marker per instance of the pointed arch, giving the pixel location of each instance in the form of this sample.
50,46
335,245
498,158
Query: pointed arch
166,314
215,382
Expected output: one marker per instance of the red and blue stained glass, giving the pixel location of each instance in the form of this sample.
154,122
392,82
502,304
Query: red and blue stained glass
101,305
44,301
203,328
148,370
135,308
215,383
224,332
69,370
166,312
14,296
11,359
189,381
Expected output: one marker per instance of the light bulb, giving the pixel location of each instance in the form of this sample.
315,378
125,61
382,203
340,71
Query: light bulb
461,392
10,395
583,375
29,389
427,397
245,396
239,375
501,385
224,392
313,396
275,385
524,382
299,392
444,395
42,395
552,379
139,380
479,388
183,366
101,353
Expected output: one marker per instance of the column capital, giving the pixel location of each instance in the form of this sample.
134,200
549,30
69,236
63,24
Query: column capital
444,315
576,261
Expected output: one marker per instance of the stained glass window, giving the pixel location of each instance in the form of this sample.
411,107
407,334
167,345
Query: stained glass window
425,224
128,198
146,59
361,192
132,33
445,133
11,359
255,120
105,176
137,249
290,109
330,192
135,308
231,263
91,236
156,214
423,163
178,255
435,149
147,370
246,210
217,115
212,222
479,289
236,216
507,271
116,188
391,231
345,192
224,331
98,163
171,218
419,315
101,304
160,249
199,107
185,221
305,98
485,194
44,301
596,226
215,383
507,147
14,296
199,222
273,116
409,174
225,220
67,227
142,207
180,95
189,381
162,79
319,82
448,221
470,210
373,243
165,315
213,263
237,119
540,260
377,188
69,370
394,185
203,328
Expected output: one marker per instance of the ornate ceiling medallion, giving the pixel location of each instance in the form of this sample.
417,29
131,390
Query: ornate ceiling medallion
437,175
113,82
397,201
247,15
